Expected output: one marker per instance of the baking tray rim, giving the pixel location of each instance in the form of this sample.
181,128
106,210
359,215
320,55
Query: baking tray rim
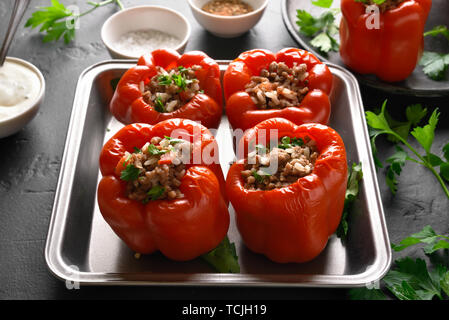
375,271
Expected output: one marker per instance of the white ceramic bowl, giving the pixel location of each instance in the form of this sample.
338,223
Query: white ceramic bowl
228,26
141,18
12,123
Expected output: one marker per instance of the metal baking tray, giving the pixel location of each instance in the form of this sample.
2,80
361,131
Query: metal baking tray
82,248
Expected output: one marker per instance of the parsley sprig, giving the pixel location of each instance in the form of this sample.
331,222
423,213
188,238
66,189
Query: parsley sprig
322,29
423,135
355,175
287,142
223,258
412,279
58,21
435,64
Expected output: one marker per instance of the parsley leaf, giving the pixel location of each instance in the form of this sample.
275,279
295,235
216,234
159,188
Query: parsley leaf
155,193
57,21
260,175
379,124
412,281
426,134
152,149
223,258
323,29
323,3
397,162
355,175
287,142
443,30
426,236
164,80
159,105
173,141
434,64
131,173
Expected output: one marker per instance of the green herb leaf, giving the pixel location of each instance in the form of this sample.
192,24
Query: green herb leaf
57,21
156,193
323,3
164,80
223,258
446,151
426,236
137,150
355,175
411,280
444,171
159,105
323,29
131,173
174,141
437,31
434,64
260,175
425,135
152,149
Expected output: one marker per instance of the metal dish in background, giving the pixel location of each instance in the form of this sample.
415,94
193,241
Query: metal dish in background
81,246
417,84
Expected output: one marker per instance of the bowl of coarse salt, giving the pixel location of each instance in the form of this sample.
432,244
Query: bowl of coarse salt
132,32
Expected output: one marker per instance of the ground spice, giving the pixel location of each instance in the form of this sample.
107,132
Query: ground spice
227,7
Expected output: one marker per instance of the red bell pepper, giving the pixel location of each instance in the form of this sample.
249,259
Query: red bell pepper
293,223
129,106
243,112
182,229
391,51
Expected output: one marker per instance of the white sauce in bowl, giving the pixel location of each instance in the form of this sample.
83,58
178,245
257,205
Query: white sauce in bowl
137,43
19,87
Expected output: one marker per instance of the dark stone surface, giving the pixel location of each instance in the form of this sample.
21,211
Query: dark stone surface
31,161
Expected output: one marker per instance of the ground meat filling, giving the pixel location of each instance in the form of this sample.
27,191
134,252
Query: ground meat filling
169,90
295,159
147,178
279,87
387,5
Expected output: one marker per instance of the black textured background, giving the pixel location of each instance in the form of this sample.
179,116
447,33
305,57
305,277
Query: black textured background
31,159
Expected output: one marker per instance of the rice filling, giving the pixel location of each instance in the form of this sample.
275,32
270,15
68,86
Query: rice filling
279,86
295,159
154,172
168,91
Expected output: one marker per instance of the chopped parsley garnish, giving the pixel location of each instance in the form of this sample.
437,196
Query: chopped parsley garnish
261,149
260,175
137,150
152,149
287,142
164,80
179,80
131,173
173,141
156,193
159,105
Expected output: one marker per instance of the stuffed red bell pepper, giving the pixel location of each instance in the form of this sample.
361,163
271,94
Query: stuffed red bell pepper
288,190
163,189
389,50
165,85
292,84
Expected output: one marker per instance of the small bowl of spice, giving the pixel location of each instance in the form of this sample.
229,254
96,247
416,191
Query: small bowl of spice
132,32
228,18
